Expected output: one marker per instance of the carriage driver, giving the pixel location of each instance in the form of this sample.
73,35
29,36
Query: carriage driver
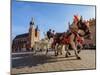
49,34
53,33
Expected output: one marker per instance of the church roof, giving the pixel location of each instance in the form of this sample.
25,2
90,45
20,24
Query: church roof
22,35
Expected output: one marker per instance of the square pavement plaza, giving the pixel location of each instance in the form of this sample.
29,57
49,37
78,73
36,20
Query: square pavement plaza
40,62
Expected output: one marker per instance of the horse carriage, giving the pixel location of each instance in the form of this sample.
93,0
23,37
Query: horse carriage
78,30
42,45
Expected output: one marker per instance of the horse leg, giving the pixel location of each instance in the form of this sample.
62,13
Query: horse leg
79,50
67,52
46,51
75,49
77,45
35,51
66,49
47,48
60,50
73,45
56,49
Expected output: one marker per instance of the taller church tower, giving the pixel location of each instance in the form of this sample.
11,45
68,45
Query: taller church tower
34,35
31,33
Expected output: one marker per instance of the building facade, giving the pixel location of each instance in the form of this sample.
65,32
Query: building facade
91,43
26,41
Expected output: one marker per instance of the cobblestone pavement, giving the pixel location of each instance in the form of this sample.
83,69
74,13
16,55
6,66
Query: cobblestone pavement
41,62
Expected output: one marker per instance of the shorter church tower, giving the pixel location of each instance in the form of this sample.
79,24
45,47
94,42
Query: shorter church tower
37,33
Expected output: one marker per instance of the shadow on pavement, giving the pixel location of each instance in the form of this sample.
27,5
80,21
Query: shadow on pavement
34,60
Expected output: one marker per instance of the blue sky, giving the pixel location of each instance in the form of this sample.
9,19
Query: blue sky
46,16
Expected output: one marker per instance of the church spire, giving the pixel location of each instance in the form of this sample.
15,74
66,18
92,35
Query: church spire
31,22
37,28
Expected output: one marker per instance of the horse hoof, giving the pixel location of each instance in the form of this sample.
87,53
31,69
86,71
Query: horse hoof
69,53
78,58
56,55
66,56
60,53
78,52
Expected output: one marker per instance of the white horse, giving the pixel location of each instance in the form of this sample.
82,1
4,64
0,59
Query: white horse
74,31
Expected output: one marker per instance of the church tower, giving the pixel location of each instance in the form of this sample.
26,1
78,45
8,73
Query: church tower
37,34
34,35
31,33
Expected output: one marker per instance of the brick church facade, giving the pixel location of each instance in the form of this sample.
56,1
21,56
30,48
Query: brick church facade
26,41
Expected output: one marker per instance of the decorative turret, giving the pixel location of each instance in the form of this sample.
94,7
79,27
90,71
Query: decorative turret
69,25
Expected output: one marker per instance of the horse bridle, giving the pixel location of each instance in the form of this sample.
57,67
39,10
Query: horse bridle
84,28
